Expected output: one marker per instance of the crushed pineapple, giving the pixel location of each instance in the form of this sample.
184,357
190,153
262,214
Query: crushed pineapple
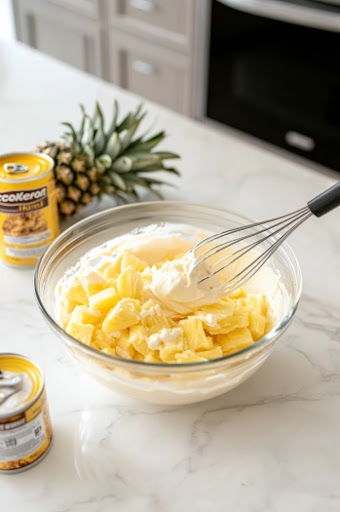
112,310
103,300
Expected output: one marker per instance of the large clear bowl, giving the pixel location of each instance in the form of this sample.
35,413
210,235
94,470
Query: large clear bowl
160,383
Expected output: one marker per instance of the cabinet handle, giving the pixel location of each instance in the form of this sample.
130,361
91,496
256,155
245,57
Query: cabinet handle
145,68
142,5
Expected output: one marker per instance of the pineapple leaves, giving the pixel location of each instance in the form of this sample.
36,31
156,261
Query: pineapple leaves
71,137
103,162
144,162
113,145
99,141
122,164
72,130
117,160
89,152
145,145
82,123
166,155
88,133
98,118
125,123
126,135
156,168
118,181
113,125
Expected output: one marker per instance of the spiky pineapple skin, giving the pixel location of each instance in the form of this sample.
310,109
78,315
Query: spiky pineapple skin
75,177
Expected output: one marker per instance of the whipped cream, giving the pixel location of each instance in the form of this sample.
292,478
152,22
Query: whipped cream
164,336
176,285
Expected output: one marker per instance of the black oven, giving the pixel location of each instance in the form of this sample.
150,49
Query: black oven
274,72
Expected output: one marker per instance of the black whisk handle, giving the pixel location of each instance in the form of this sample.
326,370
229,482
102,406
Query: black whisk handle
326,201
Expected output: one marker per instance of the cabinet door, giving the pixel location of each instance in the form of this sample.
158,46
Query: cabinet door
87,7
60,33
168,21
161,76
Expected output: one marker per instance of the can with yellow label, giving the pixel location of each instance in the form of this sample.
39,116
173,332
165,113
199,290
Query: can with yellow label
28,207
25,426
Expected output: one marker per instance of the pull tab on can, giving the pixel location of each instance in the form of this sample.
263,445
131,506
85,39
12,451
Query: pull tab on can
13,168
10,383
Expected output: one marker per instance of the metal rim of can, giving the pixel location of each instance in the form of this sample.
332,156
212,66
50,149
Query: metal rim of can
27,405
33,178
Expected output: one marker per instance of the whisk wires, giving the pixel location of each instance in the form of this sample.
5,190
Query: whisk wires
274,231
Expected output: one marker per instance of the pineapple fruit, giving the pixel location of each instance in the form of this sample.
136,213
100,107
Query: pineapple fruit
94,160
109,309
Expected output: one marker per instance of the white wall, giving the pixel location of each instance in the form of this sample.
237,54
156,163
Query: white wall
7,31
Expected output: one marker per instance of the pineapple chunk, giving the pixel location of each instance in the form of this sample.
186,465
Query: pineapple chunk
257,303
124,347
153,317
82,332
235,340
129,284
214,353
168,350
146,275
194,334
138,337
130,261
257,325
113,269
85,315
102,267
104,300
109,350
167,341
152,357
188,356
92,282
238,319
65,309
124,314
76,293
100,340
138,357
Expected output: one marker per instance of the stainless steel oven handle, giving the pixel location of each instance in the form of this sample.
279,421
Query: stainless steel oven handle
318,17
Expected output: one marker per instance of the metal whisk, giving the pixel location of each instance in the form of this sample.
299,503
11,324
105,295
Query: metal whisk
219,252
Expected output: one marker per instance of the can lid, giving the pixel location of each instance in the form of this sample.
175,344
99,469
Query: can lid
24,166
21,382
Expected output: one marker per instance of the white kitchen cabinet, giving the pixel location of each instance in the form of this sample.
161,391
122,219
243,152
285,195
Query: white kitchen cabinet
162,76
154,48
168,22
61,33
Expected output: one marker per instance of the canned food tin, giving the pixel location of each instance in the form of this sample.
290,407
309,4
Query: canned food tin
28,207
25,426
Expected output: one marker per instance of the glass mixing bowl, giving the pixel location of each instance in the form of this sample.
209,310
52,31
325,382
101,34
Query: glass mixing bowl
160,382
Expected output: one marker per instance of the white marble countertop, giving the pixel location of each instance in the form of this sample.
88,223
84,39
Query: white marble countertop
270,445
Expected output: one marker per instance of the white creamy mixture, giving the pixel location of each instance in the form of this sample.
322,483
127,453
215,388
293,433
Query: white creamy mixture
178,289
173,285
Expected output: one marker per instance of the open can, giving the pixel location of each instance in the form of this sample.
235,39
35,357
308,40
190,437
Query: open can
25,426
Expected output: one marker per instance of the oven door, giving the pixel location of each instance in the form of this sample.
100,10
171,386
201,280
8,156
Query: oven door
274,72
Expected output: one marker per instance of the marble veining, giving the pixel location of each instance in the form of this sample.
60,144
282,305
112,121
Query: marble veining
270,445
